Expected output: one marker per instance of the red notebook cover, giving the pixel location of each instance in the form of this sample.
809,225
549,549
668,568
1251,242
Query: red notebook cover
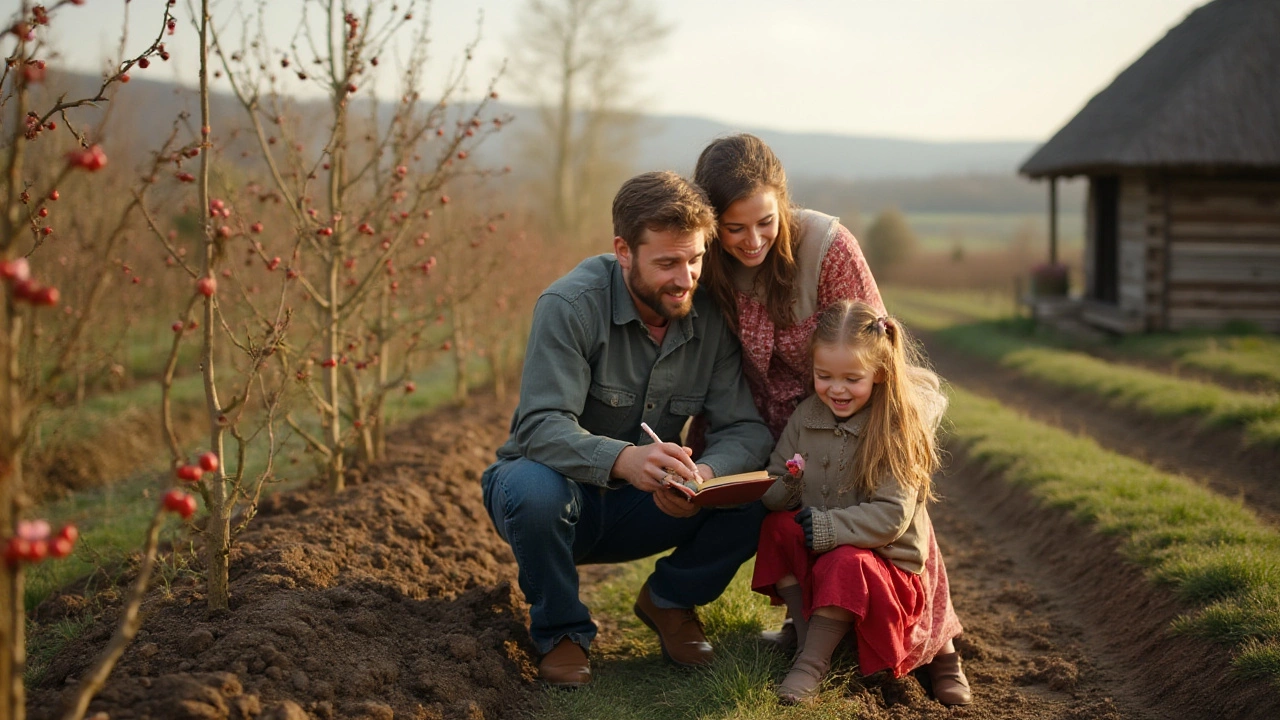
728,490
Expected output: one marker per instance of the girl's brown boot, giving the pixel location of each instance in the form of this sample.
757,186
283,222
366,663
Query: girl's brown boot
812,664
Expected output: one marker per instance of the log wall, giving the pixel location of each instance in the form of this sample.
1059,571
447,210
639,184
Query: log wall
1196,252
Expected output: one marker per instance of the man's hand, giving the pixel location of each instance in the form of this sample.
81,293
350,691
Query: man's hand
674,504
645,467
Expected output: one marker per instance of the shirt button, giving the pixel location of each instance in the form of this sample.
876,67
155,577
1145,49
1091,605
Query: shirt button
648,406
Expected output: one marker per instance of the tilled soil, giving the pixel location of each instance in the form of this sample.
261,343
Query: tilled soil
397,600
394,599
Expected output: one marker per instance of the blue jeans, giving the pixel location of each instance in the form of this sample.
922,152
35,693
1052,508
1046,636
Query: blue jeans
554,524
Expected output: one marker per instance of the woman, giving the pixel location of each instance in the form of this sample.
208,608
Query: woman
772,269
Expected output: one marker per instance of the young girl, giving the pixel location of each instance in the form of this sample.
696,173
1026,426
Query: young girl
846,543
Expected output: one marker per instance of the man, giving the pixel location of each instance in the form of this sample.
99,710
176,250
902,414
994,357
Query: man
625,339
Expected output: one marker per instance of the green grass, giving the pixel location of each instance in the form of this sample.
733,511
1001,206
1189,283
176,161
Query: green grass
991,231
1148,391
1213,552
1007,343
959,305
631,681
1246,356
1236,354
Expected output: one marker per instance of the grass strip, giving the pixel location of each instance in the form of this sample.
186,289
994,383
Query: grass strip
1120,385
1213,552
1238,353
631,681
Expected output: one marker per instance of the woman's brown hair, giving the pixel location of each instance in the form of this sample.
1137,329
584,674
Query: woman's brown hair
906,403
731,169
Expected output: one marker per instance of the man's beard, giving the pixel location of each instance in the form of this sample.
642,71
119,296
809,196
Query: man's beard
652,297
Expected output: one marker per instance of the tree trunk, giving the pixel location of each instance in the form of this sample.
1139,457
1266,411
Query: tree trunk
218,528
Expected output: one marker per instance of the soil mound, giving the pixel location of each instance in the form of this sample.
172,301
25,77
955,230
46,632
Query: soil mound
393,599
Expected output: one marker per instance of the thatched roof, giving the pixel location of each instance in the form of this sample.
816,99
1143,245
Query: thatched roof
1205,97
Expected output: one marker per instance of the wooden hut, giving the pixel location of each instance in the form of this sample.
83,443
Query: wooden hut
1182,156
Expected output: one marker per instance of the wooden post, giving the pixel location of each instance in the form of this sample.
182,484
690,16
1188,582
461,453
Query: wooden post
1053,219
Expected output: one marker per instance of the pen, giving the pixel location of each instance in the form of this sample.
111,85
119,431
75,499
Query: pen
649,431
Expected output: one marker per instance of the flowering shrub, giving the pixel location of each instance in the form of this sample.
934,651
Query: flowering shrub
1049,280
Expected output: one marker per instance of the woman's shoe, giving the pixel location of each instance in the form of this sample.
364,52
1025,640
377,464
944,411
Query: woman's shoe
950,686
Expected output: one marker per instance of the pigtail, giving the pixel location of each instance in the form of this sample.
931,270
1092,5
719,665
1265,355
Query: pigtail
899,438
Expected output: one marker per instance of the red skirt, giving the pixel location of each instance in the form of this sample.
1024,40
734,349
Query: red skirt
887,602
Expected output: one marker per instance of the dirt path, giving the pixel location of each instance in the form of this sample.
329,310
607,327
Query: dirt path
1216,458
1057,626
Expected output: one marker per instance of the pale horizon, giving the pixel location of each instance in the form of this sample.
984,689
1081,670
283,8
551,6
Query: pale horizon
983,71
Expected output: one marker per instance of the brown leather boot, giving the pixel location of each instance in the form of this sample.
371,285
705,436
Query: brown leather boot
950,686
565,666
679,631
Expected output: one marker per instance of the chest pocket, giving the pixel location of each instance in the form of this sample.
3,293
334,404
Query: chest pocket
687,405
607,410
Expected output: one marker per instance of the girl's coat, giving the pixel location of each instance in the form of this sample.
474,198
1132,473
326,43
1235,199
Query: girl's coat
893,521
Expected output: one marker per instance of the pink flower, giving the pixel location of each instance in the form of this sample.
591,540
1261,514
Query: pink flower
795,465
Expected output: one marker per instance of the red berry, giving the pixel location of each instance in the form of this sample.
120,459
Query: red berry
176,327
256,228
224,231
43,212
69,532
409,387
124,77
16,550
179,502
207,286
189,473
144,63
209,462
38,551
53,195
185,177
46,296
60,547
444,199
17,269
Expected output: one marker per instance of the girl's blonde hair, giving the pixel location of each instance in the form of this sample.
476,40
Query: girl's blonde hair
906,406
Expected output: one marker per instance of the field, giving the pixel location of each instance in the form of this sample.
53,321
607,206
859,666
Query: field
257,356
1077,553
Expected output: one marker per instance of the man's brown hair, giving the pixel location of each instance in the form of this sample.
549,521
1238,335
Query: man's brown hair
659,201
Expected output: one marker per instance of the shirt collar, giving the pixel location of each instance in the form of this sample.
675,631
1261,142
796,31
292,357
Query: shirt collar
819,417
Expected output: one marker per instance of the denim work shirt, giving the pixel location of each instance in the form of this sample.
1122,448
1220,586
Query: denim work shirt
592,373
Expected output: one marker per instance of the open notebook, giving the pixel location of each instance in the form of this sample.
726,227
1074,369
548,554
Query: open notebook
726,490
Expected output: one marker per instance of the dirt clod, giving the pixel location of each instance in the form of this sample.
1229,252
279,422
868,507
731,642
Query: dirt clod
394,599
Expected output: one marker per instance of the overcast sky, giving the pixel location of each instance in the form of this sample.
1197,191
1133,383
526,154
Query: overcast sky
921,69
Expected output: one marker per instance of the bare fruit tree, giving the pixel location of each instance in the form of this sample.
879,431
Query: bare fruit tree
578,58
359,188
37,342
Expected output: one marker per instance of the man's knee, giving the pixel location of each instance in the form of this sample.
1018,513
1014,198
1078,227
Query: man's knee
532,497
